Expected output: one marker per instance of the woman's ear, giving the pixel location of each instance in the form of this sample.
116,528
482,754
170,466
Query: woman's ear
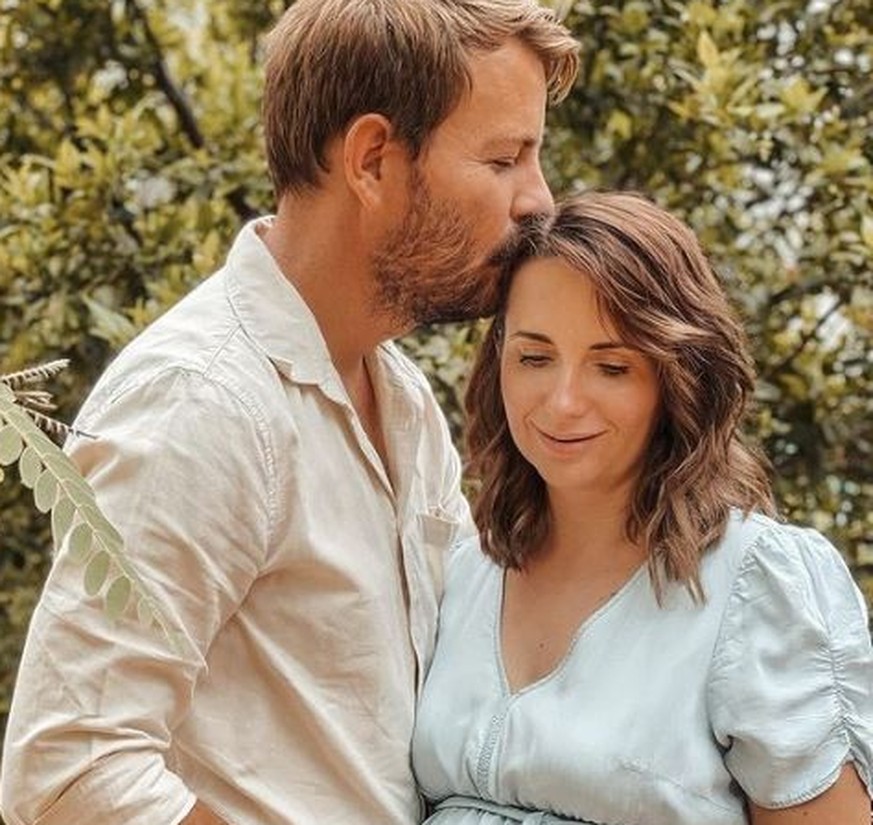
370,156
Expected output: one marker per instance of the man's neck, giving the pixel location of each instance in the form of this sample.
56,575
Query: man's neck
319,252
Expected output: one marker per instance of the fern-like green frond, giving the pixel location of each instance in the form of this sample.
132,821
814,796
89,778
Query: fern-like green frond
35,375
37,403
79,528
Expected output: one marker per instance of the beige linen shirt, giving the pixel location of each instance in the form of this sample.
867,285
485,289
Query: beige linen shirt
303,574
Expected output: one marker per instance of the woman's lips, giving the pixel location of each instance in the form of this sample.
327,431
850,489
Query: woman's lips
570,439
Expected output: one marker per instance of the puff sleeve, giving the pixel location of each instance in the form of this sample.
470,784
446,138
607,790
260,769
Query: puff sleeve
790,692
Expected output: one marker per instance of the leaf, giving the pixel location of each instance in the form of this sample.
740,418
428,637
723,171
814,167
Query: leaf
110,539
67,165
81,541
62,466
29,466
62,520
117,597
620,124
45,492
10,445
37,374
561,7
768,112
109,325
79,491
799,97
866,232
707,51
680,110
96,572
839,160
701,13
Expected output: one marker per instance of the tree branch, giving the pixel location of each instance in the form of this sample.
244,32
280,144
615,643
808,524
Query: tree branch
805,339
181,105
166,84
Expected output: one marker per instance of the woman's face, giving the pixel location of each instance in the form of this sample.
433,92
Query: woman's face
580,403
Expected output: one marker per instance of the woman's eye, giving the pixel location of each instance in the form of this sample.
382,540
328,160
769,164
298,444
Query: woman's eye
613,369
533,360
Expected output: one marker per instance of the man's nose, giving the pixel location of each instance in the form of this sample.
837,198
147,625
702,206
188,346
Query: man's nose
533,196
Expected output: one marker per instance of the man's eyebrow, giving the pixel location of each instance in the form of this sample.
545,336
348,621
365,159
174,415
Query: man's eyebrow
508,142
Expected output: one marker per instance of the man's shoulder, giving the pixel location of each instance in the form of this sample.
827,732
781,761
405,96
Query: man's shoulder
198,336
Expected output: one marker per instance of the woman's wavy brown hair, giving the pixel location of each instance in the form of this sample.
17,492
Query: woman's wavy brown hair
654,282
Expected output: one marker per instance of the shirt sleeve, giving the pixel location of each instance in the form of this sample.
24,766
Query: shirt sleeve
790,689
180,467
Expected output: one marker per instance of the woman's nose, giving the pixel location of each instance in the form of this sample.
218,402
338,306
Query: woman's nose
570,393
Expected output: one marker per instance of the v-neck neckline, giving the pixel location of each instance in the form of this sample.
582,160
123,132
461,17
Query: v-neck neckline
560,664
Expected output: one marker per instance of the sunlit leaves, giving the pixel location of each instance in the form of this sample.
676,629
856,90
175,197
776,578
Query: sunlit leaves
799,98
755,124
867,231
751,121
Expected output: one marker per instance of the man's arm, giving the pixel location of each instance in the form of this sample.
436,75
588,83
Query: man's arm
97,701
201,815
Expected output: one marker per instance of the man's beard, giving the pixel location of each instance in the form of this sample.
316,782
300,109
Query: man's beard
425,271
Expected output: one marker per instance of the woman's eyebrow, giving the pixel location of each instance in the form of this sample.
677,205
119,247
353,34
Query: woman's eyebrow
531,336
541,338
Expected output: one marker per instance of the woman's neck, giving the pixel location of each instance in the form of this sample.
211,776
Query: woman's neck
590,531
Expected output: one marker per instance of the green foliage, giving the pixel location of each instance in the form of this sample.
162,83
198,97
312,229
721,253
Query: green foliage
130,153
129,156
753,123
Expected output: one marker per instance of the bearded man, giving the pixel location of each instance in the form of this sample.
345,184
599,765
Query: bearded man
282,476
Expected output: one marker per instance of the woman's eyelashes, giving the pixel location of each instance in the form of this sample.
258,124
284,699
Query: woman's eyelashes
610,369
529,359
613,370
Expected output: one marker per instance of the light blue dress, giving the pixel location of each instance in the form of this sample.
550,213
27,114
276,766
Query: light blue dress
656,716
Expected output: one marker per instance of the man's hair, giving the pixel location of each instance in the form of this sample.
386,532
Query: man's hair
329,61
653,281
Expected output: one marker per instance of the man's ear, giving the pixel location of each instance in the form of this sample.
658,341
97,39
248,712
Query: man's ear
370,156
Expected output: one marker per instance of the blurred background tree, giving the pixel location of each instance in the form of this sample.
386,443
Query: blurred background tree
130,154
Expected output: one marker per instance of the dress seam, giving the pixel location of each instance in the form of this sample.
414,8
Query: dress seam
486,757
564,662
746,562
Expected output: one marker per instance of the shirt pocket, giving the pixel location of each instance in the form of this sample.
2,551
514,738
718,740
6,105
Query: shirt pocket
438,532
432,537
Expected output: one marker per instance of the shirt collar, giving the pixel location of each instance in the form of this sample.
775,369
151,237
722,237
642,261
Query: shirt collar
277,319
272,312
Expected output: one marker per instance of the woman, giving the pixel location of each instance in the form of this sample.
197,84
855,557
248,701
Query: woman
635,640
